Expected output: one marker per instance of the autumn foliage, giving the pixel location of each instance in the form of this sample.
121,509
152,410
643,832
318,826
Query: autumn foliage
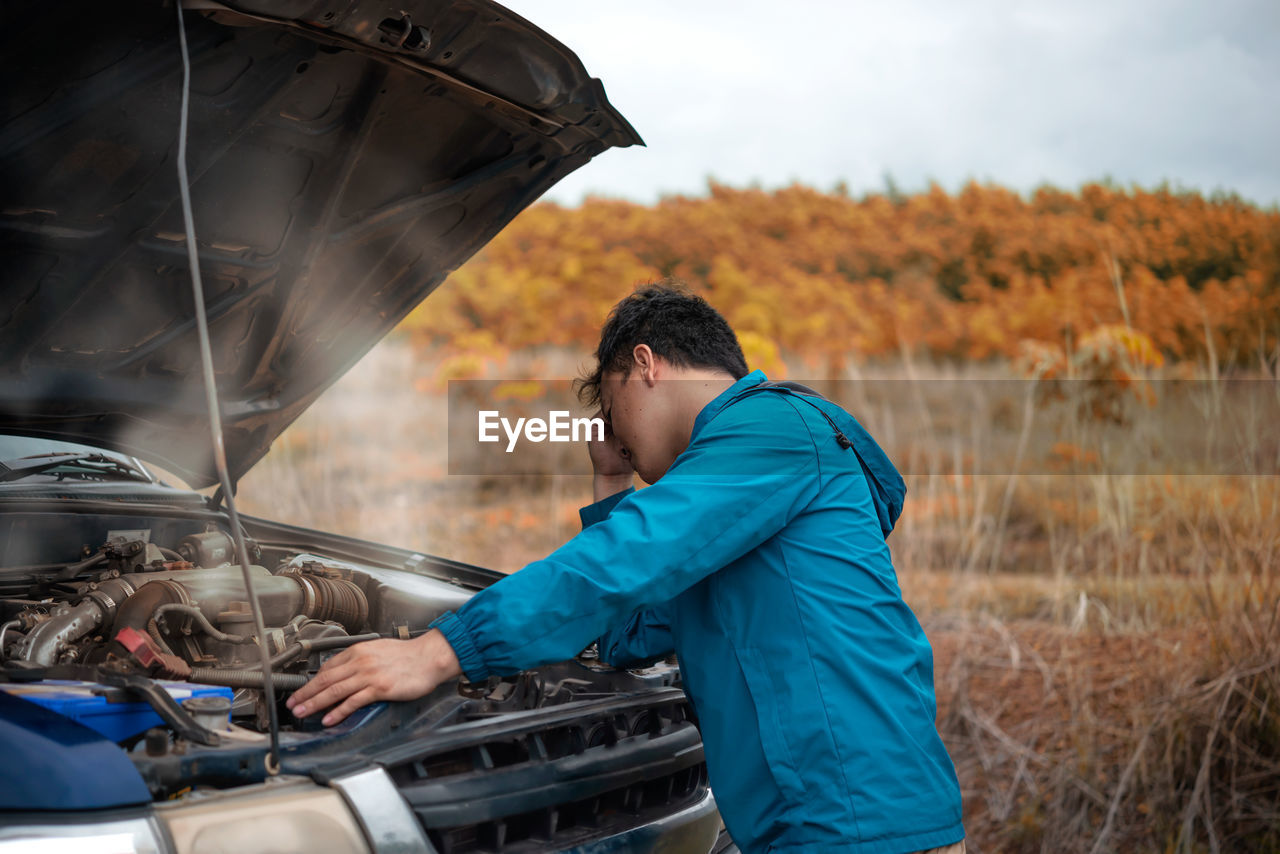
826,277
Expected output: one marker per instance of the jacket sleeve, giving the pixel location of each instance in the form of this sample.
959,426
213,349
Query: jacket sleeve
746,474
647,633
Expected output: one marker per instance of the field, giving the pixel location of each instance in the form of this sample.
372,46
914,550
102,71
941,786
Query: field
1106,640
1079,387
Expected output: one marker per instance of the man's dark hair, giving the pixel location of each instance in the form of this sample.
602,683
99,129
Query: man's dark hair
679,326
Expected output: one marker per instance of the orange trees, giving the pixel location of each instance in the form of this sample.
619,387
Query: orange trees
824,276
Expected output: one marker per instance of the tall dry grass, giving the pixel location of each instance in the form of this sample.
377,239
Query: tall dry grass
1107,643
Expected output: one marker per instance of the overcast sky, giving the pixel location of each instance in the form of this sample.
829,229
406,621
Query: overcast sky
1019,93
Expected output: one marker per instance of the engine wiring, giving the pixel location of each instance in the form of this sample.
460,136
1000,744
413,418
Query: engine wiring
215,418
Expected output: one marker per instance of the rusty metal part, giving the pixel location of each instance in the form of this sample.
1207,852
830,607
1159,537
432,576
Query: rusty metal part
217,591
197,614
51,637
237,619
65,626
140,608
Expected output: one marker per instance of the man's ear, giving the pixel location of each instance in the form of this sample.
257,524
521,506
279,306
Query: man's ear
646,363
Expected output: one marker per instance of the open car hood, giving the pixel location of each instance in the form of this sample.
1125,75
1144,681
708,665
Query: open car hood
345,157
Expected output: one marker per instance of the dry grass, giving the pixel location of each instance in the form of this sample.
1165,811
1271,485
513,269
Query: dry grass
1107,645
1112,741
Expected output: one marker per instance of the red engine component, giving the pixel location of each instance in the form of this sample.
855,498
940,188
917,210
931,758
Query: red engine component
152,659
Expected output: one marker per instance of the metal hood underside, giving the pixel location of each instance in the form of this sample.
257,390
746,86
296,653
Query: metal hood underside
345,157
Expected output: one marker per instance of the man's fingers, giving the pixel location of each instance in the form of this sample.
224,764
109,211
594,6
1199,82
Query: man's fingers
326,689
357,700
329,696
328,675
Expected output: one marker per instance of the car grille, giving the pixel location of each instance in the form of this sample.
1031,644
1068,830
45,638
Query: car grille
527,783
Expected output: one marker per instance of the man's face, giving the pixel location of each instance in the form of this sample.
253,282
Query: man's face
640,416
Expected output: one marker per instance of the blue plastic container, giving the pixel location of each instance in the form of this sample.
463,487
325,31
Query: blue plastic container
104,709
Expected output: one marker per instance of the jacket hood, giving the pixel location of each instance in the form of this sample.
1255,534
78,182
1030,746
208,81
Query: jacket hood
345,157
888,489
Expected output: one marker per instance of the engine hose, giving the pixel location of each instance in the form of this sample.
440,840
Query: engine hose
322,644
335,599
195,614
5,630
309,645
71,570
245,678
154,631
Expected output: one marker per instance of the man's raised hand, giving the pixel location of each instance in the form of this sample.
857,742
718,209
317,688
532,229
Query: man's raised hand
611,467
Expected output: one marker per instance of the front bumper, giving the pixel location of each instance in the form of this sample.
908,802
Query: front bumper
391,827
693,829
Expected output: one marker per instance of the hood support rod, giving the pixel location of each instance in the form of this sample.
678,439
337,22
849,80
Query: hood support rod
211,395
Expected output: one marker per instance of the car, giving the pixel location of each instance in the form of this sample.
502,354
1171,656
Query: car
344,158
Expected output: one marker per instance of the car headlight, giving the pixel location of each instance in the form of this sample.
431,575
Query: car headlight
125,836
280,815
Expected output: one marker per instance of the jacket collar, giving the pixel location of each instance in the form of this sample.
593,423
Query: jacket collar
721,400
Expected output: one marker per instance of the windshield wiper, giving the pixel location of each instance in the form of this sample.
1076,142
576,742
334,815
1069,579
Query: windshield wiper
100,465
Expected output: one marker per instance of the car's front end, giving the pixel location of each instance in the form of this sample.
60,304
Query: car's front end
569,756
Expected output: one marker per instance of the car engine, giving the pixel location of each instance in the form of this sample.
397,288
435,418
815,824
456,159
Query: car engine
183,614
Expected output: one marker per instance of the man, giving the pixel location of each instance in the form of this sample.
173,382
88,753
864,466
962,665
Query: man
758,555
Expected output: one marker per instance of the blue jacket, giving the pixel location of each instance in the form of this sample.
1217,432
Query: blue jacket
760,559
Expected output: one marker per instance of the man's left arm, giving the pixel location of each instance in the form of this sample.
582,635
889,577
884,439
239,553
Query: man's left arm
750,471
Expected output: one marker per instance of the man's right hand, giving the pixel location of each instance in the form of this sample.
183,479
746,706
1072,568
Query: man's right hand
376,670
612,468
